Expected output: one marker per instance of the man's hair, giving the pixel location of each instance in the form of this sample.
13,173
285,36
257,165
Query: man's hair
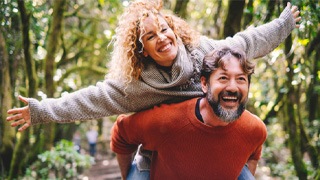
218,57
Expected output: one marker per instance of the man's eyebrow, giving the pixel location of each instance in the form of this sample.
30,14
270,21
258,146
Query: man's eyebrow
225,72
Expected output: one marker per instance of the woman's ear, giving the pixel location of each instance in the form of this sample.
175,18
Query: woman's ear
145,54
204,85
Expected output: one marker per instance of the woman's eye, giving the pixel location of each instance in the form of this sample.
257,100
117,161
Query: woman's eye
164,29
150,37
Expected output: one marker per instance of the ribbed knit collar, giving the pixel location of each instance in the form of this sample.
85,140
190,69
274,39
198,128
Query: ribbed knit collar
182,70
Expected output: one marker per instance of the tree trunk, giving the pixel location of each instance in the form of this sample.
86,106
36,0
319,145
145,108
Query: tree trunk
181,8
20,158
291,121
313,97
248,16
232,24
313,100
20,155
30,67
216,16
270,8
7,134
52,46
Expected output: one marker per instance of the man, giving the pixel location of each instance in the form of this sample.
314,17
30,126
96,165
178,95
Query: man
203,138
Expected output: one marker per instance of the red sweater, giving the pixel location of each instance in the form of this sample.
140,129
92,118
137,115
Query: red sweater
184,147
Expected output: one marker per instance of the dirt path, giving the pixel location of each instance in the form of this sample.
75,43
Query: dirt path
105,168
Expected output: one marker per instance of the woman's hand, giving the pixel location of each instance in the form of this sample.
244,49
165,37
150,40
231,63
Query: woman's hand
20,116
295,12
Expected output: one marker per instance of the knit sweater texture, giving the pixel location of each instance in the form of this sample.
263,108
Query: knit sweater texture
185,148
156,86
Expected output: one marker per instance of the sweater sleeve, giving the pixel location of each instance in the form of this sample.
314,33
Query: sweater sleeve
259,137
120,142
92,102
104,99
259,41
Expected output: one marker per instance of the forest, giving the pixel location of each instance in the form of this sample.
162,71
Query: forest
50,48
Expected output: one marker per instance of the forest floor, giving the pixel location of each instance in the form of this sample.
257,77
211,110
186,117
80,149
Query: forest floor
106,168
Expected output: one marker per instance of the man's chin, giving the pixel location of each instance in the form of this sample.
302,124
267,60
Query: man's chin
230,108
230,114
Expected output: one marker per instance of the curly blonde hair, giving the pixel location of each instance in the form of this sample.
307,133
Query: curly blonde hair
127,62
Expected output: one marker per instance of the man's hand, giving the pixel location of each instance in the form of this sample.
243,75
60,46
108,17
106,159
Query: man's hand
21,116
124,161
252,166
295,12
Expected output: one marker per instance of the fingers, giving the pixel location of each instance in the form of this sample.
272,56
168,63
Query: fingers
19,113
289,4
295,12
24,124
24,127
23,99
16,110
20,117
297,20
15,117
18,122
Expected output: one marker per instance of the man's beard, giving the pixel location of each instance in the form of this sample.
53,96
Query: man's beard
226,115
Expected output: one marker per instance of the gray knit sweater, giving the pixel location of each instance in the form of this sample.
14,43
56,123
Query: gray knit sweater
156,85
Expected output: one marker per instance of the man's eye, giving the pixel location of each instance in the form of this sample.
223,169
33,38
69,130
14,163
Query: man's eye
242,79
223,78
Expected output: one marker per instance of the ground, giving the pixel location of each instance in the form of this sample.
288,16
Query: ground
104,168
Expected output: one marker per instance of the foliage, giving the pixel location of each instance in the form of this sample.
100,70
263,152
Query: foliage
84,52
276,155
61,162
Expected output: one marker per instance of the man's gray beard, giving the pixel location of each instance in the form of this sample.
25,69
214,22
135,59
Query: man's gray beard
226,115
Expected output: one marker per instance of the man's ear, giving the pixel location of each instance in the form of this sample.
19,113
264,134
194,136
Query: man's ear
204,85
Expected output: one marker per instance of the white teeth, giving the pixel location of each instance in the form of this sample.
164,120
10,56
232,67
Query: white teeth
230,98
165,47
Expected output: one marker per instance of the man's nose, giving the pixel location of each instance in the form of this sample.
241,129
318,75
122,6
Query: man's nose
232,86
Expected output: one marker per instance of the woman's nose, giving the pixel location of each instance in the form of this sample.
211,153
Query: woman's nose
161,36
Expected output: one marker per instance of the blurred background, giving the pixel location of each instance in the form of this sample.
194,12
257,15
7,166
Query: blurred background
49,48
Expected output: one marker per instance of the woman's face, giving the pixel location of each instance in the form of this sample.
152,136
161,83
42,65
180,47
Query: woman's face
159,41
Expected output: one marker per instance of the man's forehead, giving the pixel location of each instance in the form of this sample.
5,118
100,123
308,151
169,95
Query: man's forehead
231,65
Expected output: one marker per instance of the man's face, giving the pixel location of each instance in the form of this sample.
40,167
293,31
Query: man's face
227,91
160,43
